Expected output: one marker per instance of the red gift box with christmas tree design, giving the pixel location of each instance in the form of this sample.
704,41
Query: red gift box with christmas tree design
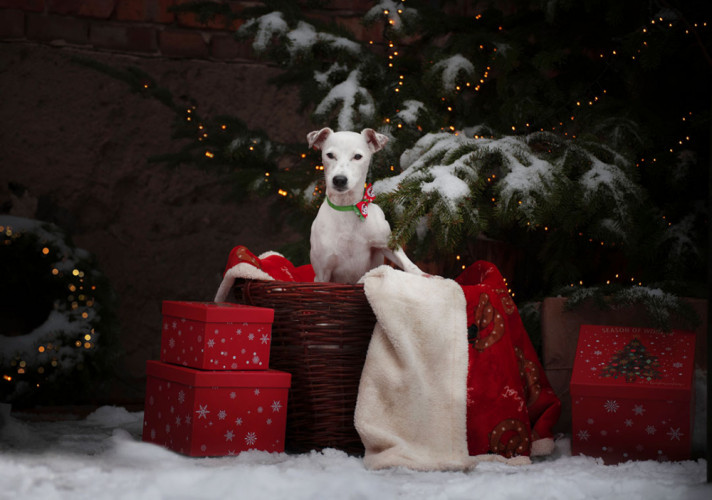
632,394
215,413
216,336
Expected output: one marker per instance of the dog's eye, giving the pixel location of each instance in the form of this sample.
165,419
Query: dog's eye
330,156
357,157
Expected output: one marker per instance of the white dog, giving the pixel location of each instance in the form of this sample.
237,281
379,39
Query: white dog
350,235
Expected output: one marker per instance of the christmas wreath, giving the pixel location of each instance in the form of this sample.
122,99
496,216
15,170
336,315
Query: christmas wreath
57,325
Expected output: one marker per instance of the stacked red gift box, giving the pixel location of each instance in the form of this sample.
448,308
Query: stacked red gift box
632,394
212,392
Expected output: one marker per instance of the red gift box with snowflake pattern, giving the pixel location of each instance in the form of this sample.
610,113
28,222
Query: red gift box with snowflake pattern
216,336
632,394
215,413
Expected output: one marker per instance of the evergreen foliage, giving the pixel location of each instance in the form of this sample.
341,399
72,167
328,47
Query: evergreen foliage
574,130
58,328
525,121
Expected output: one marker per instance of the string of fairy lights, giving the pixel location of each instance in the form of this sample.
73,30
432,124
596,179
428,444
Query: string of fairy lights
76,304
561,127
394,52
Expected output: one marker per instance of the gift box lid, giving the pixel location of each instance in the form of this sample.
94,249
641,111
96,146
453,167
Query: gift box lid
654,364
208,378
217,312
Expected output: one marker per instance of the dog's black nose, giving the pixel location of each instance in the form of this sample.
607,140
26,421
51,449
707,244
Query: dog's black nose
340,181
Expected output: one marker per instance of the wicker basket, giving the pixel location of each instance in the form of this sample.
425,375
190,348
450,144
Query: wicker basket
320,335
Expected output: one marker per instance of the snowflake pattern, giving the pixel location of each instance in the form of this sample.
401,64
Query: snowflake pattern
637,426
251,438
611,406
182,417
203,411
675,434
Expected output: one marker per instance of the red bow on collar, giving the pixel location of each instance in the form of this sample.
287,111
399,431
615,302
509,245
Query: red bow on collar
368,197
361,208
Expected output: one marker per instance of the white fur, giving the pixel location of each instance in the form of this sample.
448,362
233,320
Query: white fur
343,246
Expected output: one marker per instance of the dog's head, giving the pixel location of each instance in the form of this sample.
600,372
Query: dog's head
346,157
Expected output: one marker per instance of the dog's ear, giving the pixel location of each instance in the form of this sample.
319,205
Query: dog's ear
375,141
317,138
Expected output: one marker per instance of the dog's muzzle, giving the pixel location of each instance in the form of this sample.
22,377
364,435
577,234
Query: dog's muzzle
340,182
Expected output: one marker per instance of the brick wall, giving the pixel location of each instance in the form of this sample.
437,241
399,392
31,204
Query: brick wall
147,27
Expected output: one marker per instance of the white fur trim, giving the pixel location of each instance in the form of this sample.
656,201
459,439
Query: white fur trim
270,253
542,447
242,270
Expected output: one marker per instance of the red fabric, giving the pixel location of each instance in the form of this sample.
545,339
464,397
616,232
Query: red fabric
510,403
275,265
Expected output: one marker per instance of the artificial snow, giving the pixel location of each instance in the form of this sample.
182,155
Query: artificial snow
267,26
103,457
396,13
450,164
608,178
305,36
323,77
410,111
451,68
355,101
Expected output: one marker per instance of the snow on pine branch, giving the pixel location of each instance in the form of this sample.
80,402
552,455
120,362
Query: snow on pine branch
410,110
527,176
398,15
354,102
451,68
305,37
323,78
302,39
429,165
610,181
357,105
264,28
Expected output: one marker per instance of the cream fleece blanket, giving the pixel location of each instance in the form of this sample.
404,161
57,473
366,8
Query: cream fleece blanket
412,400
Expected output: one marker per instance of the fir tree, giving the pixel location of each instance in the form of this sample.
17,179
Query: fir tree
575,131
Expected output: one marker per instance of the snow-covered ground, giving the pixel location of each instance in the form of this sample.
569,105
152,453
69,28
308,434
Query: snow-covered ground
103,457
